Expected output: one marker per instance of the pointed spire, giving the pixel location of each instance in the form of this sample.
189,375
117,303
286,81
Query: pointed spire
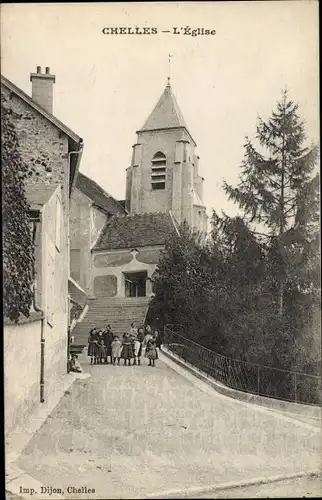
166,113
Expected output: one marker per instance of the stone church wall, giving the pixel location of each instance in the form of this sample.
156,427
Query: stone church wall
109,267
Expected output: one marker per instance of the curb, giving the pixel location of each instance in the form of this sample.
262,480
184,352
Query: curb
210,386
20,438
312,413
184,492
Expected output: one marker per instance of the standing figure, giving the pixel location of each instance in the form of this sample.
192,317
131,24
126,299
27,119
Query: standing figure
138,346
158,338
116,348
100,337
147,337
108,339
127,351
101,351
151,351
92,345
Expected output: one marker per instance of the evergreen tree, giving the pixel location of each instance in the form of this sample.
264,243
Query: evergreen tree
274,181
18,251
245,306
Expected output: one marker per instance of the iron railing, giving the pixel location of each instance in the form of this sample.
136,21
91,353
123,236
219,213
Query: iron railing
244,376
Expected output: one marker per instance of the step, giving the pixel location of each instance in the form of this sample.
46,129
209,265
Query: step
118,312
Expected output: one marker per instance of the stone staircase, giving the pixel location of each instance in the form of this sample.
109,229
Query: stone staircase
118,312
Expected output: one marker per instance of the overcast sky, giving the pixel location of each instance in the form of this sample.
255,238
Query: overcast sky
107,85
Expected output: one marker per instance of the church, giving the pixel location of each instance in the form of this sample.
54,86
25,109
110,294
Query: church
163,189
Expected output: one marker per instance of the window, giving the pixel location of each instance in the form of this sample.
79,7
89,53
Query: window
158,171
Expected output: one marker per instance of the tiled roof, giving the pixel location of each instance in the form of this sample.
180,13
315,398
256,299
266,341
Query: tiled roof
137,230
39,194
166,113
99,197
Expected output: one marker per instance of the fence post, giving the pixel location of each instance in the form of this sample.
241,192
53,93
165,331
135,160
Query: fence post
258,372
295,388
229,372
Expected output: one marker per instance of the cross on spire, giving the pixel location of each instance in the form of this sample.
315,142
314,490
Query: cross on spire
169,68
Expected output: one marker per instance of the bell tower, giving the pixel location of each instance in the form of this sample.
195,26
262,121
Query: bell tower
163,175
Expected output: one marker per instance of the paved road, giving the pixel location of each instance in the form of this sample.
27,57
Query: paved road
131,431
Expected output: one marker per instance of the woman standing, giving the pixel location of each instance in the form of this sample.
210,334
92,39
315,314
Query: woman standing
92,345
108,339
138,346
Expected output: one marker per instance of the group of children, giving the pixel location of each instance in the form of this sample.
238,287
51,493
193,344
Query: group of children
104,347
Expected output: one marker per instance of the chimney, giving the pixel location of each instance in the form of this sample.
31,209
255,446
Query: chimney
42,88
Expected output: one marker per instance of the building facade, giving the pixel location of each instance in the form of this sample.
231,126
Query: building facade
35,349
164,172
163,189
90,209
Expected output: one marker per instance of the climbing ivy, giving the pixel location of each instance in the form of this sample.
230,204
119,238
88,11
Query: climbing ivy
18,250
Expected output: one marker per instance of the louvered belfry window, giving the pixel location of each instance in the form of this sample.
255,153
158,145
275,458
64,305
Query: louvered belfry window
158,171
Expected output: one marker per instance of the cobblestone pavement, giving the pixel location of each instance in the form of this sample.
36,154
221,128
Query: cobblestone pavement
131,431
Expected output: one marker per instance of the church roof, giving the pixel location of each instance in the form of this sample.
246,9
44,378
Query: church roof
100,198
136,230
166,113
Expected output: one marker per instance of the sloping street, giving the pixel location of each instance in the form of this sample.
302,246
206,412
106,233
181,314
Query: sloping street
139,431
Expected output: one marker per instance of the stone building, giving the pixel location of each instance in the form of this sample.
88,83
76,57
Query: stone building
163,189
35,349
90,208
164,172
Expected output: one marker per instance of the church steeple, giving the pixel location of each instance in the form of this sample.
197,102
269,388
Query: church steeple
166,113
164,172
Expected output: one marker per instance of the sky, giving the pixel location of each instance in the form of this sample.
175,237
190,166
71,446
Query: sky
107,85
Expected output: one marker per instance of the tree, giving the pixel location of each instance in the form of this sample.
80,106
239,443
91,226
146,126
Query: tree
274,182
184,287
18,251
245,305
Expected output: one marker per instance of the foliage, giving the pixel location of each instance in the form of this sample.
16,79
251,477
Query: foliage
18,252
276,188
183,285
252,291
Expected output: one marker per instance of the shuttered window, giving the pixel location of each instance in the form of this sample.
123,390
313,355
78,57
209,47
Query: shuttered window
158,171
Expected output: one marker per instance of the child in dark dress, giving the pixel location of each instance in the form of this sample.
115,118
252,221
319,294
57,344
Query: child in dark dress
127,351
101,351
151,351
